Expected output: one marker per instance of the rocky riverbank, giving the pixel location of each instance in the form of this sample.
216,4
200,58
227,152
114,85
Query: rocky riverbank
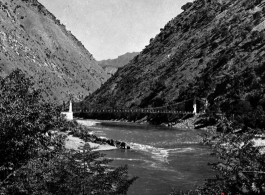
75,143
77,138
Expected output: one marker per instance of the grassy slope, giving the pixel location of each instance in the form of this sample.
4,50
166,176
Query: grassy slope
32,39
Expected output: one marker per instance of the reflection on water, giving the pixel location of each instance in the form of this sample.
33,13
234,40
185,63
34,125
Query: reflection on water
162,157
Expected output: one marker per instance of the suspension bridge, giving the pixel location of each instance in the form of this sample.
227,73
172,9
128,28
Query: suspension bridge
176,108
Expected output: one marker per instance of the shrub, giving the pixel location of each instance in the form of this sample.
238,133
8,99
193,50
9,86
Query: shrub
70,173
186,6
251,4
241,167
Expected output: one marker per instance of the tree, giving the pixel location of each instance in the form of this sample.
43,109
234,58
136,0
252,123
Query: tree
24,120
241,166
186,6
31,162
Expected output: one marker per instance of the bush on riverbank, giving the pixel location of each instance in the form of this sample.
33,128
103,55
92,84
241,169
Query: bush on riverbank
240,166
32,162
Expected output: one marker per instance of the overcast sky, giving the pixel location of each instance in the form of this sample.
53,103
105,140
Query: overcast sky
109,28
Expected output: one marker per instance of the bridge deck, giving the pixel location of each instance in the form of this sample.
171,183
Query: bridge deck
132,111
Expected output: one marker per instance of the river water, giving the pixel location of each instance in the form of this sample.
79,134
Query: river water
161,157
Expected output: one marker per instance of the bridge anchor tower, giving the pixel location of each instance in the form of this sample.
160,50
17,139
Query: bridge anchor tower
194,107
69,115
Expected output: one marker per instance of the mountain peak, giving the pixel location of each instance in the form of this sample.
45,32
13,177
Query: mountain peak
112,65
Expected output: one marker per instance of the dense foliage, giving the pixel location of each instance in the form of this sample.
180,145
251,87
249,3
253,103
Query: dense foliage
241,166
33,162
24,120
70,172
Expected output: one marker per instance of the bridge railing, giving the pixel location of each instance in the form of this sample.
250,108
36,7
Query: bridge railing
176,108
131,111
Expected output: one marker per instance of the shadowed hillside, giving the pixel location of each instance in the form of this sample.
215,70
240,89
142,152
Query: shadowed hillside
214,49
33,40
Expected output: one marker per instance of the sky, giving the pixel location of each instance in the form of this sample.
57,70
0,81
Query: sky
109,28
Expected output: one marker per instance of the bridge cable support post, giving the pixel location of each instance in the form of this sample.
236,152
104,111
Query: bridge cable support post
194,107
69,115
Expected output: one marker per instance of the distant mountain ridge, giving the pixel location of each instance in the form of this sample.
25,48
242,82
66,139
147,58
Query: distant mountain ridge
112,65
33,40
120,61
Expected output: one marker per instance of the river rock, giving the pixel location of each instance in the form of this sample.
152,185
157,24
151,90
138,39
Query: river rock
117,143
103,139
123,145
110,142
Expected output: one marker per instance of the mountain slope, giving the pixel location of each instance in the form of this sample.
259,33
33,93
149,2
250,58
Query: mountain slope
112,65
202,53
33,40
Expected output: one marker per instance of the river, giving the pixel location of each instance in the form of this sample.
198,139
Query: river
161,157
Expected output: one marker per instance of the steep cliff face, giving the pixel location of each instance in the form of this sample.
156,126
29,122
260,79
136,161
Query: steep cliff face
208,51
111,65
33,40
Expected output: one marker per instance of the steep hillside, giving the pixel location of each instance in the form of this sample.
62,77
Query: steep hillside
112,65
33,40
214,49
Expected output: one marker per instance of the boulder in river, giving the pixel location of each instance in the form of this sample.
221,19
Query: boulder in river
123,145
